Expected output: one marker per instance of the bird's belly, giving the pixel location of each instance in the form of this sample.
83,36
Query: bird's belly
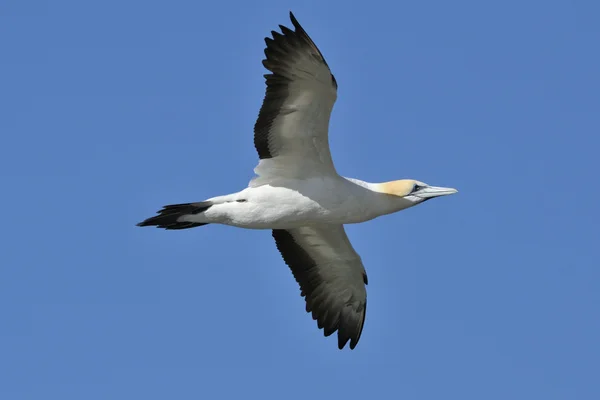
279,215
285,208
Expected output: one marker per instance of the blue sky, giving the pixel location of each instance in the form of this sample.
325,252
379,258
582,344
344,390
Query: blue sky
112,109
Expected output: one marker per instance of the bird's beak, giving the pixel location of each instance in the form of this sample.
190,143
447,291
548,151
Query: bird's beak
430,192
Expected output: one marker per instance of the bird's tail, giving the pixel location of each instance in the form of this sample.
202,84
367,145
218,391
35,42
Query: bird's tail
170,217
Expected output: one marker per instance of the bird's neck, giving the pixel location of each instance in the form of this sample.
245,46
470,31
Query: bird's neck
380,201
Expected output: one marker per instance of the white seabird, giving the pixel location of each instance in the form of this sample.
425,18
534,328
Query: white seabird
298,193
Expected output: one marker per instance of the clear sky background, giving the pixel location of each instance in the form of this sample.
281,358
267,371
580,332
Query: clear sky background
111,109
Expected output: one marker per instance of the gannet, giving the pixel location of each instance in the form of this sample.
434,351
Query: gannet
298,194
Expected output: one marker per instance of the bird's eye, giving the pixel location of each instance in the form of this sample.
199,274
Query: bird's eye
417,187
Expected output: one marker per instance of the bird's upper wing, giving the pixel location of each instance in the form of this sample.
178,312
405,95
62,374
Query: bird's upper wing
331,275
291,131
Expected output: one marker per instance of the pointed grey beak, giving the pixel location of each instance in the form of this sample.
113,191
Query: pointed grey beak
430,192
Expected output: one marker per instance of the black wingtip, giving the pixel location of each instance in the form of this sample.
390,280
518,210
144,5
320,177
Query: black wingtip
295,22
342,343
352,331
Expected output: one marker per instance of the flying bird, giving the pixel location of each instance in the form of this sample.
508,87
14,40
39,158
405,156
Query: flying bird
297,192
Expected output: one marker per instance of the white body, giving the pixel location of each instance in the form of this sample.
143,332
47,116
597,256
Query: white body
291,203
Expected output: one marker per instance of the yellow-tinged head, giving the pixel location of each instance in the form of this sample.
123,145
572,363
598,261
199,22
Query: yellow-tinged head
412,190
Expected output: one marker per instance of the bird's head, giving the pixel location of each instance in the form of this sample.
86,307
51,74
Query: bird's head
415,192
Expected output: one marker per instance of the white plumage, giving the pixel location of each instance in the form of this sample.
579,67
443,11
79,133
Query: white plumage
297,192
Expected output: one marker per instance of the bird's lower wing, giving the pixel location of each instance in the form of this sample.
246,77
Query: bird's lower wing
331,276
